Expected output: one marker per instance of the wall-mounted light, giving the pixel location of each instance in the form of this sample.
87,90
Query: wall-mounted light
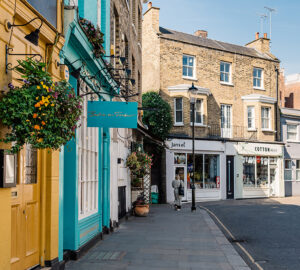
33,36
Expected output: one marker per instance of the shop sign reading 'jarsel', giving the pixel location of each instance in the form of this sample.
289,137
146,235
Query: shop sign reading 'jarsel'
112,114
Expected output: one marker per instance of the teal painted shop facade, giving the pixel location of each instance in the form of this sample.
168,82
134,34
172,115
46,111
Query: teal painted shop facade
84,209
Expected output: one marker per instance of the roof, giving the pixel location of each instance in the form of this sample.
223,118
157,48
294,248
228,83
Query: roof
213,44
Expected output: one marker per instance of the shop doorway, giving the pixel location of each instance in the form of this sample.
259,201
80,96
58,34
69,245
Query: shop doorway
181,171
230,177
122,201
25,213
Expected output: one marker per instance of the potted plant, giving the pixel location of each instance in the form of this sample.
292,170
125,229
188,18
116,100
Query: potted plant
140,207
38,111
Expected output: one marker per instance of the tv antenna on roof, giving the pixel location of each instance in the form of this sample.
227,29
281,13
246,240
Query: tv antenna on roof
262,17
270,13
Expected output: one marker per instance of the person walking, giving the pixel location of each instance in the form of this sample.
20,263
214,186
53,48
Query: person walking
178,186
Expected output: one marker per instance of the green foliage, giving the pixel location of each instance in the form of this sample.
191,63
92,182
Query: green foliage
160,120
94,35
40,112
139,164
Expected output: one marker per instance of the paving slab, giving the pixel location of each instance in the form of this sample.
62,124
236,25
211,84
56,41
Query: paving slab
166,239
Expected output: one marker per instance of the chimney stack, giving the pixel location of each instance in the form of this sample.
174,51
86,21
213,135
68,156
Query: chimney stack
201,33
149,5
257,35
261,44
265,35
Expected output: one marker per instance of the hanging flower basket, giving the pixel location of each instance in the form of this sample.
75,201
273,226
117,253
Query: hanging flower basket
39,112
94,35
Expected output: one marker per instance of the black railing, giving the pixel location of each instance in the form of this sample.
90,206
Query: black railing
231,132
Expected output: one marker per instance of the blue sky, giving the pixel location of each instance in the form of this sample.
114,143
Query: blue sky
236,21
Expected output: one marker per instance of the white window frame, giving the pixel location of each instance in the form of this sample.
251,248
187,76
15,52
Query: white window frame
251,118
297,169
175,110
226,126
269,119
225,72
296,132
88,166
289,169
187,66
261,87
197,111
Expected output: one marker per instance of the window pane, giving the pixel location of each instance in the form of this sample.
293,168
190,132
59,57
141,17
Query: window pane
184,71
227,66
191,61
249,171
222,77
254,72
222,67
198,170
297,164
211,171
262,171
178,117
254,82
259,73
226,77
287,164
190,72
292,128
258,83
297,174
198,118
178,104
184,60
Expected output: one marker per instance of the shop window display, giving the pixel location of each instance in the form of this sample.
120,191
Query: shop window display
249,171
287,170
258,171
207,172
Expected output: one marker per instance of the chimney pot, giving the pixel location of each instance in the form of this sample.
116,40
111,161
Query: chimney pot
201,33
265,35
149,5
257,35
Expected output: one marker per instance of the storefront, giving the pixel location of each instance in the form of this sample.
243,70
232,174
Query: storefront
258,170
209,169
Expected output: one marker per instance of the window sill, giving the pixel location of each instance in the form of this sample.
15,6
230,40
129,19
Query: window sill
178,125
252,129
198,125
259,88
189,78
292,141
226,83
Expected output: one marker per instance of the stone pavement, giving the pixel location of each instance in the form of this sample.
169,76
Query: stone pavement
166,239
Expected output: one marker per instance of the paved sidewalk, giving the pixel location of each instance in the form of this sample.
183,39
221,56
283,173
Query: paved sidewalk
166,239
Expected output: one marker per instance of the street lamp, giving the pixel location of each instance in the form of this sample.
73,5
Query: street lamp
192,102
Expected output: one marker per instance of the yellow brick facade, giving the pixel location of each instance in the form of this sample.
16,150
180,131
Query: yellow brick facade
162,68
46,236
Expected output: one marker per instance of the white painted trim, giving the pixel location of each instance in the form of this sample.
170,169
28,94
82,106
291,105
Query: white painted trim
185,88
259,98
225,83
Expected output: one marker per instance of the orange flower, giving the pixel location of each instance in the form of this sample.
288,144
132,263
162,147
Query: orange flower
35,115
37,127
37,105
43,123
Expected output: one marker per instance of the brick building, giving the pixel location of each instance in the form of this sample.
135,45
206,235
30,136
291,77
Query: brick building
291,91
236,116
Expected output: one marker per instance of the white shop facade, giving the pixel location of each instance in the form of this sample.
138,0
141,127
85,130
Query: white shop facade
224,169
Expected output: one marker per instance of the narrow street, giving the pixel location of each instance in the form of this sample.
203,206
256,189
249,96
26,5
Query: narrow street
166,239
268,229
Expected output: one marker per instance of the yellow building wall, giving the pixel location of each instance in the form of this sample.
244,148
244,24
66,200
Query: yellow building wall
48,161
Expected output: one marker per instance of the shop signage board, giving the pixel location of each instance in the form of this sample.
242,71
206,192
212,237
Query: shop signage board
259,149
112,114
180,144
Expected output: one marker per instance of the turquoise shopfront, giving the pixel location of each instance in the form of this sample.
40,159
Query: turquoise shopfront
85,161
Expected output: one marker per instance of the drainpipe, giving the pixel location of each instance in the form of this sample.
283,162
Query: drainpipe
276,104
